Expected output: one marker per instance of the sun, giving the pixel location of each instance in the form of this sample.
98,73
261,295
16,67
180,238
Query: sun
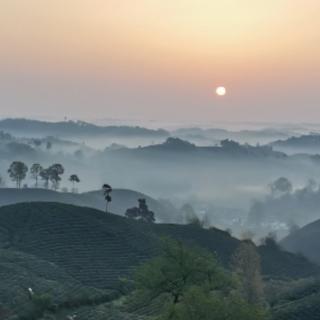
221,91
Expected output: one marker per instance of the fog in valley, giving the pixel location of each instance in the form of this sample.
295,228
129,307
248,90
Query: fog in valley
224,177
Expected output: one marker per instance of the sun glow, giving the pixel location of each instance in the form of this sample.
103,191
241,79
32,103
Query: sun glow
221,91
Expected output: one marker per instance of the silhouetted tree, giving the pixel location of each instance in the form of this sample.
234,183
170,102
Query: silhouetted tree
230,144
35,171
55,172
45,176
74,179
17,172
141,213
107,189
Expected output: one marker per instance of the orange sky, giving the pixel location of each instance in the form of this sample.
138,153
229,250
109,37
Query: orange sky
144,58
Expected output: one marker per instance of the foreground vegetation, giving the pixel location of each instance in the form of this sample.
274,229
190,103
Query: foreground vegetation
191,285
83,264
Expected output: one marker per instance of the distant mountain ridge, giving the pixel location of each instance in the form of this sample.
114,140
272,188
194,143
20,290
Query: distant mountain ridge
72,128
226,148
306,143
312,139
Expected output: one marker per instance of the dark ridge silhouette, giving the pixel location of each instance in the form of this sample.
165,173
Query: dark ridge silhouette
305,241
178,146
74,128
307,143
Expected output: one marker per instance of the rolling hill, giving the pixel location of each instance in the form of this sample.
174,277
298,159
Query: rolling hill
305,241
96,248
308,143
122,199
175,147
71,251
299,301
20,271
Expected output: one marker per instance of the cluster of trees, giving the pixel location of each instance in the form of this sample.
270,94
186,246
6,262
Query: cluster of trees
18,172
189,284
141,212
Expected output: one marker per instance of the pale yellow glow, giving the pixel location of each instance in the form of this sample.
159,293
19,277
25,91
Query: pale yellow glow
189,43
221,91
187,35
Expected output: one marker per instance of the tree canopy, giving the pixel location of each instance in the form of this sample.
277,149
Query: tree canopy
192,286
17,172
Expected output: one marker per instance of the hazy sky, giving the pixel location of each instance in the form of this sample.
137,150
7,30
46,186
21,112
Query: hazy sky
161,59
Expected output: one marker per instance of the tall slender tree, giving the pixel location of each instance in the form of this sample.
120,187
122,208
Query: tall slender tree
35,171
45,176
107,189
74,179
246,264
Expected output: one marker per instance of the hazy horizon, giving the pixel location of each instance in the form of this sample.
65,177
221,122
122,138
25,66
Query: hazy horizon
173,125
161,60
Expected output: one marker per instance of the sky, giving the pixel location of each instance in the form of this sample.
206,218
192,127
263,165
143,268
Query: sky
161,60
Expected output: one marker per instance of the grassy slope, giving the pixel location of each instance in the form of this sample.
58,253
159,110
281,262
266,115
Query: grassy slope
97,248
298,302
20,271
122,199
64,249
